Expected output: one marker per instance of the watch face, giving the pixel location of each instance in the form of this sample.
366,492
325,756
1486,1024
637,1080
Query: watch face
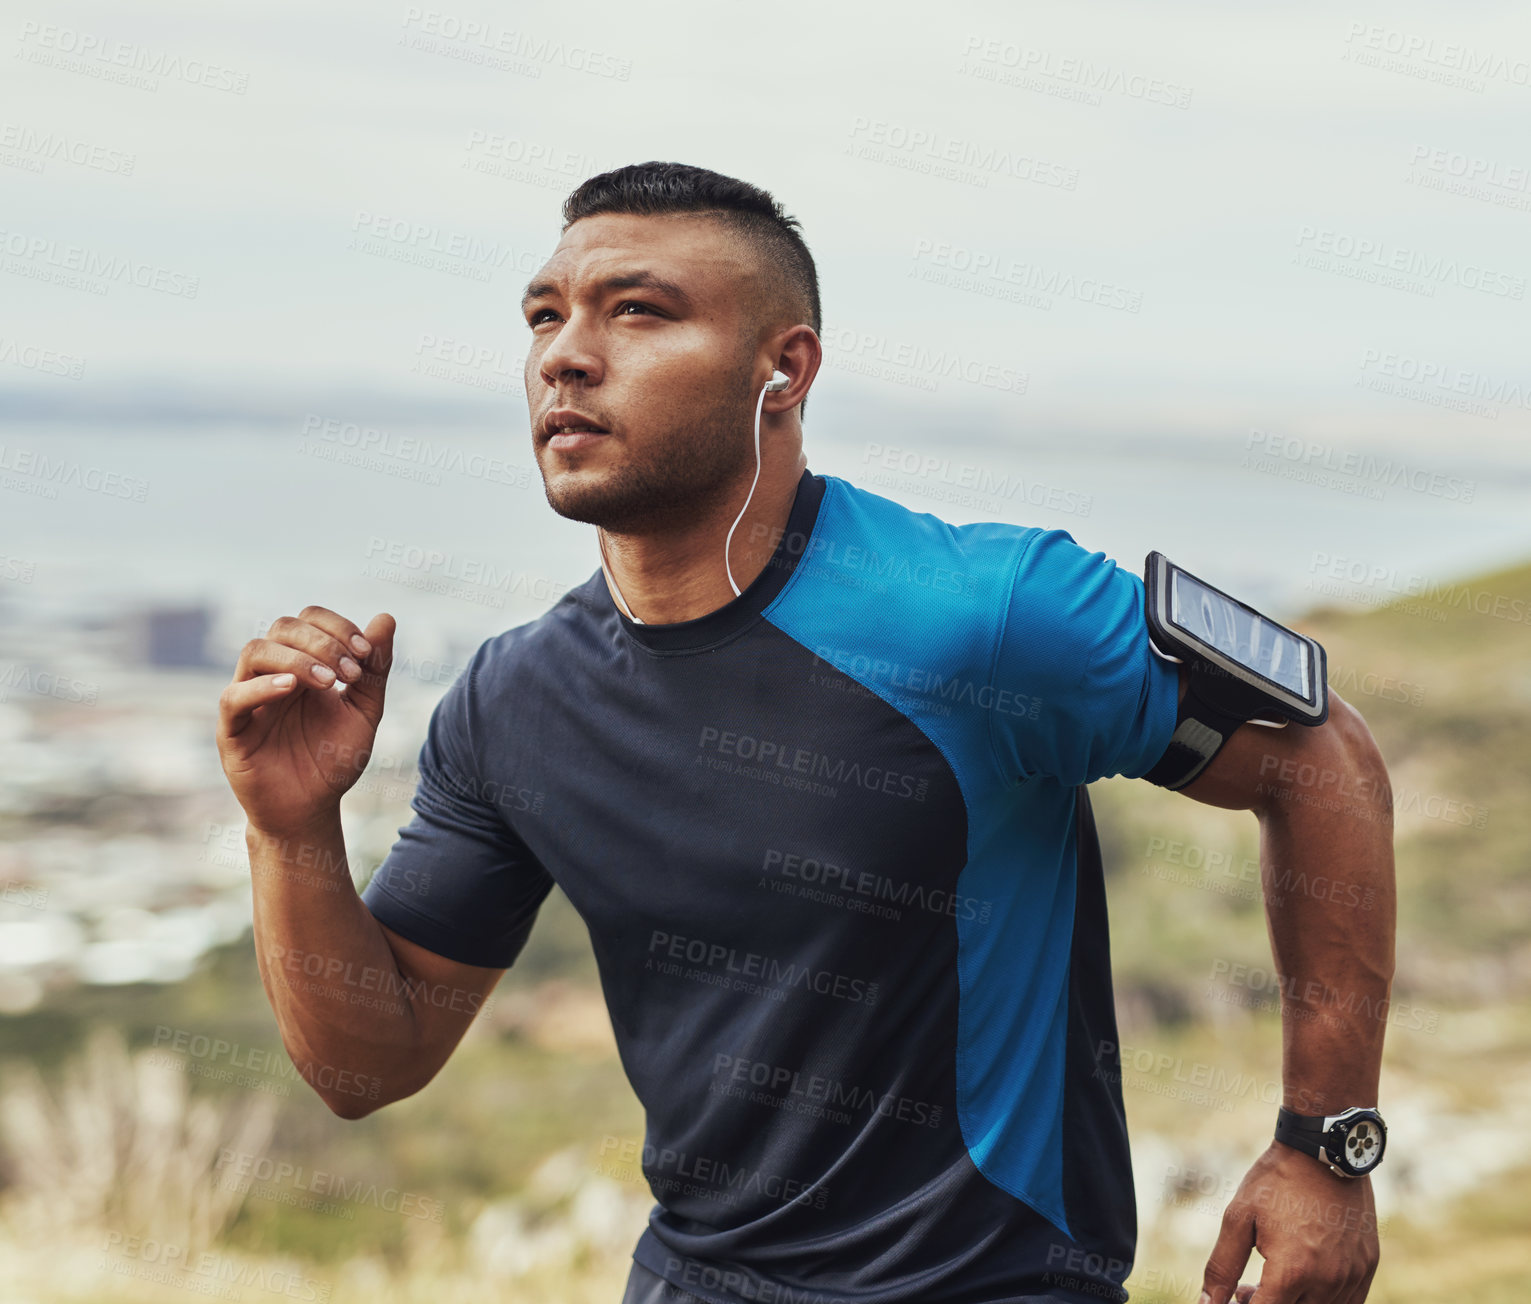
1362,1145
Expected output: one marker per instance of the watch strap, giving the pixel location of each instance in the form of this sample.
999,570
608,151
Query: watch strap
1300,1131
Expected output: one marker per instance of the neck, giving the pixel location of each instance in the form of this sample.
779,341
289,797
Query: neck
677,574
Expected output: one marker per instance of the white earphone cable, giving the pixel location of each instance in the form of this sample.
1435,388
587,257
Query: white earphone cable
628,611
759,402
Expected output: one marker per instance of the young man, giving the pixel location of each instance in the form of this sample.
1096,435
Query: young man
812,768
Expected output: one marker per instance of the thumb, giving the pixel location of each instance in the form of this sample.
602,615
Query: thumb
1229,1257
367,693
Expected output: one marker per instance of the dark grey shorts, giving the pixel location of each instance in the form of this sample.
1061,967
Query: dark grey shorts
643,1287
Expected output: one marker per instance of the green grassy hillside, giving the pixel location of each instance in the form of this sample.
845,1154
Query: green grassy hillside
511,1139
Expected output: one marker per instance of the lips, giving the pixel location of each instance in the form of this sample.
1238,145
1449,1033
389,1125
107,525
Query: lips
568,421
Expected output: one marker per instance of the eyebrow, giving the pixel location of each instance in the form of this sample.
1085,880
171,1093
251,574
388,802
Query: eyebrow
639,280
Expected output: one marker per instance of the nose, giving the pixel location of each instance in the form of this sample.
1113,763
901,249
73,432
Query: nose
571,356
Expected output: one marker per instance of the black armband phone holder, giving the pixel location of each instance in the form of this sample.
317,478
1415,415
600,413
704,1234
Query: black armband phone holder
1242,668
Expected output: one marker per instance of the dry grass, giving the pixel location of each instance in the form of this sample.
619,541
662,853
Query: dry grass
122,1145
112,1191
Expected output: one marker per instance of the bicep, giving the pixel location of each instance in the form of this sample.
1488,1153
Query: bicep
1258,765
444,993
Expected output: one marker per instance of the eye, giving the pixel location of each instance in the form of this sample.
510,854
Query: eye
633,303
536,318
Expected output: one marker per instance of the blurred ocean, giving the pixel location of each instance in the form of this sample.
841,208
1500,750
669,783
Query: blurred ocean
450,530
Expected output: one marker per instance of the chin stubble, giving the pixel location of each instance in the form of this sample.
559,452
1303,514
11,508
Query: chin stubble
690,469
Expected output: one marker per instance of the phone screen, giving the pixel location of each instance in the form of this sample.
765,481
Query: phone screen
1240,634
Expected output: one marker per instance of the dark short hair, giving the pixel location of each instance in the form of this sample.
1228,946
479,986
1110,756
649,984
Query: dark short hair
654,189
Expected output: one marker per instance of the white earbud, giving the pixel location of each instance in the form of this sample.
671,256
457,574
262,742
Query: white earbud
779,381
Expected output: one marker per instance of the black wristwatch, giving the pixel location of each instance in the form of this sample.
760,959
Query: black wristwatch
1350,1142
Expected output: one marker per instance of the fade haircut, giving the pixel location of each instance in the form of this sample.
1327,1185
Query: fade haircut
790,281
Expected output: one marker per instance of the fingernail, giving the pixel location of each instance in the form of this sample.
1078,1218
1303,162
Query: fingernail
324,674
1205,1298
363,648
283,681
349,668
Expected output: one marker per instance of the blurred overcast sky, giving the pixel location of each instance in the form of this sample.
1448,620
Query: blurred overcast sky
1227,143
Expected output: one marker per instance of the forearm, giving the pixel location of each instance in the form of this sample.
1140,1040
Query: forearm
1326,851
342,1005
1324,804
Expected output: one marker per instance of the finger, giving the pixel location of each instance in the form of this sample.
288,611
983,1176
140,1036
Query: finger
1358,1291
1235,1240
1332,1291
1370,1257
1274,1289
1371,1251
1244,1291
266,656
366,693
299,632
357,644
241,697
1364,1289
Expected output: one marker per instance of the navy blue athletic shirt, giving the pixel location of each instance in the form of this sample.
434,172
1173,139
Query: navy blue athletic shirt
833,848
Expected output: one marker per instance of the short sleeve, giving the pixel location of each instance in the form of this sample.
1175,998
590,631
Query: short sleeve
1074,647
459,881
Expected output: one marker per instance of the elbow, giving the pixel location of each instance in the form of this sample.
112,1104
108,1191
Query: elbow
351,1108
353,1085
348,1094
350,1084
355,1095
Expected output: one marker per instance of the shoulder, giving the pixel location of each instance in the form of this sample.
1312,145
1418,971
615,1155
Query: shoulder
860,532
1076,641
1070,608
890,594
1071,591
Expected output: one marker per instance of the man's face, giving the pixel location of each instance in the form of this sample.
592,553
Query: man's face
640,326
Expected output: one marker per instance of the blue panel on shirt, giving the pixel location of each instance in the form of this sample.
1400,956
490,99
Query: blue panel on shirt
1024,658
